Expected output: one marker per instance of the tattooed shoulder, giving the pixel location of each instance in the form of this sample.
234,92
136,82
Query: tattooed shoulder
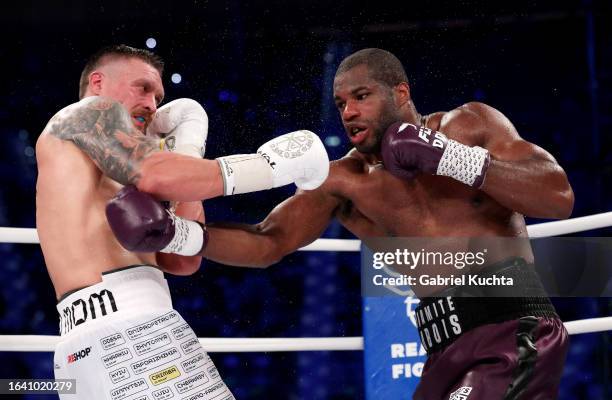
103,129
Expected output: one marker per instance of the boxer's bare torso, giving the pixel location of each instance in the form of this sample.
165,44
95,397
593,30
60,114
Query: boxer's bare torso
373,203
71,195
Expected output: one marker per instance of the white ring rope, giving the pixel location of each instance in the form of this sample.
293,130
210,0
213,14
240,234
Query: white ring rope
242,345
554,228
233,345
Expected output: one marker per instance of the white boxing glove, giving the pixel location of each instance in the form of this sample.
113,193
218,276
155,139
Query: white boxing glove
298,157
183,126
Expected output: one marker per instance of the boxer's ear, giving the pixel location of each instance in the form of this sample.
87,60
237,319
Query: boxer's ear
95,82
401,94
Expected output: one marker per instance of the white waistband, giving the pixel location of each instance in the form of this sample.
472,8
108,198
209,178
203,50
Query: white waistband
133,289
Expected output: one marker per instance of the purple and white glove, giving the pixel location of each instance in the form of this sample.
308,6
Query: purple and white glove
143,224
408,150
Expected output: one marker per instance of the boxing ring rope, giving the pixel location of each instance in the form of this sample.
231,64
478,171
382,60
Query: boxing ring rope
545,229
242,345
218,345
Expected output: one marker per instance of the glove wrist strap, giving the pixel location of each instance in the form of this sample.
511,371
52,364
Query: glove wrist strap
189,237
464,163
245,173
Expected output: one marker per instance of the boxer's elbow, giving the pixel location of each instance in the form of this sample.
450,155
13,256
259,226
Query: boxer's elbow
179,265
271,251
268,257
564,203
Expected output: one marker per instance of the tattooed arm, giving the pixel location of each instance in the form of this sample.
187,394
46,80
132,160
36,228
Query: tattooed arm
102,128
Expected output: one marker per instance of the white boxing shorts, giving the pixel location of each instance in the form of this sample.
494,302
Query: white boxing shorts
121,339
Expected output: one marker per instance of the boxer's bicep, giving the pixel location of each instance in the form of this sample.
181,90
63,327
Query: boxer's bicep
103,129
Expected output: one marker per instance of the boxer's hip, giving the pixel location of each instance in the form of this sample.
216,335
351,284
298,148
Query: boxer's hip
122,338
492,342
122,292
444,318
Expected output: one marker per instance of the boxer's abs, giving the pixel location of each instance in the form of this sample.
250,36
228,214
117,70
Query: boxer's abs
76,240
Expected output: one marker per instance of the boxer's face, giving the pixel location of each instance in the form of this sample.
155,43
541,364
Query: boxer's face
366,108
135,84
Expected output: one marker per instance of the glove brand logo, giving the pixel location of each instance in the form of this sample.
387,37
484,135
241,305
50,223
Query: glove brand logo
268,159
461,394
77,313
79,355
439,138
293,145
404,126
170,143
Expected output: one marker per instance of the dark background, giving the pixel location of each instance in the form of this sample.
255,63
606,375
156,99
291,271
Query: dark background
265,68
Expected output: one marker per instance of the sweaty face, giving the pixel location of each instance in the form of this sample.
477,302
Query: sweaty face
366,108
135,84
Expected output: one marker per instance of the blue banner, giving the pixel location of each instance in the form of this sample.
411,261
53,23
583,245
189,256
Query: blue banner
393,355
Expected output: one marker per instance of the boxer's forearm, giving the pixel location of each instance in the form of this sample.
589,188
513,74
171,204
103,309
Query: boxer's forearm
171,176
535,188
294,223
241,245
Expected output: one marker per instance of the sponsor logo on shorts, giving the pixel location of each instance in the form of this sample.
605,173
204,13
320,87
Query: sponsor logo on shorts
119,375
117,357
129,389
190,346
164,375
156,360
153,325
79,355
461,394
163,394
194,362
111,341
212,372
192,382
152,344
207,393
96,305
181,332
438,322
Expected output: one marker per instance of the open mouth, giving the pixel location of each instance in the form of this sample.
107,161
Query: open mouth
357,134
139,120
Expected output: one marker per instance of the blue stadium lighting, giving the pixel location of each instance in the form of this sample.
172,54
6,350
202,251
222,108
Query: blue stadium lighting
332,141
151,43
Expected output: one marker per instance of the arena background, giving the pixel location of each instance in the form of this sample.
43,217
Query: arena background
263,68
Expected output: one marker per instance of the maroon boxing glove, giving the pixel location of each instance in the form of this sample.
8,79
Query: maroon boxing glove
408,150
143,224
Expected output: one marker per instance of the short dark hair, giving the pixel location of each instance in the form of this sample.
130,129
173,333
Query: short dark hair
108,53
384,66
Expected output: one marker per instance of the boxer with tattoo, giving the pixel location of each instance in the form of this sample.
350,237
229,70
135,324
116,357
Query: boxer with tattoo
119,333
